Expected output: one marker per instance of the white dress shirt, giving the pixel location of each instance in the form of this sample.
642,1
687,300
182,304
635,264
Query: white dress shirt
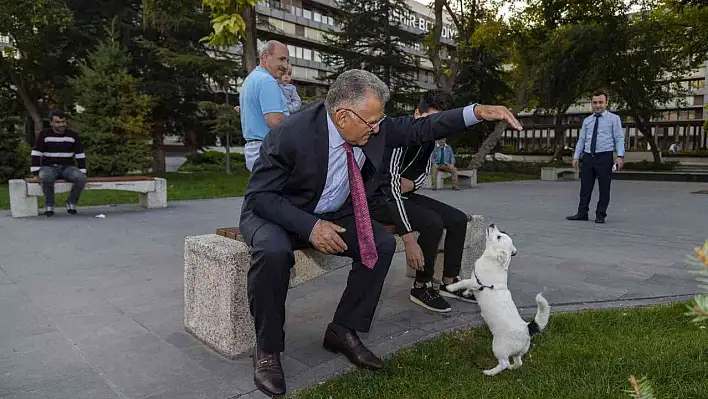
336,188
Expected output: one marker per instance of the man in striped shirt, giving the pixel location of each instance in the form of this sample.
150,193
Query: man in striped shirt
409,167
53,158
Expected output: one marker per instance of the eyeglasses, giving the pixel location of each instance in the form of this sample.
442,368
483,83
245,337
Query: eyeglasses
369,125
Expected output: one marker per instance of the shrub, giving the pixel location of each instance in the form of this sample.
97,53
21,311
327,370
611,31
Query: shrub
210,161
114,125
14,156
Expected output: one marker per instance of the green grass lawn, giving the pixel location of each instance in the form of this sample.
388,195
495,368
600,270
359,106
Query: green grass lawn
579,355
201,185
180,186
494,177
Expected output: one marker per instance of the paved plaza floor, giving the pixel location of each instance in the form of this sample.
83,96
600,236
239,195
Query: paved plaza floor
93,307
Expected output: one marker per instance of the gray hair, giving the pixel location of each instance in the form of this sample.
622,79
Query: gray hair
269,47
352,88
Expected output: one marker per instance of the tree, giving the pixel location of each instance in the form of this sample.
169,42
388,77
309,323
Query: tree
467,16
14,154
38,59
372,38
517,42
233,22
645,61
225,122
114,124
179,69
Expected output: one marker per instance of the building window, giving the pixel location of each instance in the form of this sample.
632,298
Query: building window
307,14
317,16
291,50
698,100
298,52
297,11
307,54
300,30
316,56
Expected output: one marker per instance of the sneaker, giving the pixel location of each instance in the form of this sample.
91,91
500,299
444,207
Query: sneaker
70,208
429,298
459,294
49,211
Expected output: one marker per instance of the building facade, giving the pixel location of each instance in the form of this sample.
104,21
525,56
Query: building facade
303,24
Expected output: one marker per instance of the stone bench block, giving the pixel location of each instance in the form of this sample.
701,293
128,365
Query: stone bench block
466,178
216,307
553,174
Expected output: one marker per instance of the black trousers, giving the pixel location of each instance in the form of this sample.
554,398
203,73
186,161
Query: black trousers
595,167
269,275
429,217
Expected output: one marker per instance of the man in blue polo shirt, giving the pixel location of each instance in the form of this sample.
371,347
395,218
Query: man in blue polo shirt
262,103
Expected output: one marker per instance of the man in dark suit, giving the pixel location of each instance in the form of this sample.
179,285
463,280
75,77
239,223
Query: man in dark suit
310,187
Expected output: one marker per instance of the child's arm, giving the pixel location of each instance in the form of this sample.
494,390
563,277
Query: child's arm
296,101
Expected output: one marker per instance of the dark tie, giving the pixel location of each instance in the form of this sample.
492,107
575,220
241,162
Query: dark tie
593,142
364,232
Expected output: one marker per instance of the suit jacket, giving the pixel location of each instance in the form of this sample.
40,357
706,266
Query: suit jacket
289,176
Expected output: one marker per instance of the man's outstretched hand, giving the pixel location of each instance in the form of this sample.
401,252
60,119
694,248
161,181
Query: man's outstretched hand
496,113
325,237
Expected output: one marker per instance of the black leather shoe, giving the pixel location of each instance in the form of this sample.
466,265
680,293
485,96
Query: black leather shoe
599,219
268,373
578,216
349,344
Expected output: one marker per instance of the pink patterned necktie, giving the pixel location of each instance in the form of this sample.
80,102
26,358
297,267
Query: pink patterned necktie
364,232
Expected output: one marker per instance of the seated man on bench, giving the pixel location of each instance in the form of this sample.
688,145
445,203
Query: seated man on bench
53,158
411,212
310,186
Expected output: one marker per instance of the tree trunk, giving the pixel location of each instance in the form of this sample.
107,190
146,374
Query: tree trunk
559,131
645,129
250,44
158,150
491,141
434,45
29,103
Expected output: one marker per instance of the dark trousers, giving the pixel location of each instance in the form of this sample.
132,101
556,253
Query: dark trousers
595,167
429,217
269,275
49,174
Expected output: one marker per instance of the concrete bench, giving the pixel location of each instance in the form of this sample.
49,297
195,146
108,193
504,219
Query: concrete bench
24,192
466,178
216,310
560,173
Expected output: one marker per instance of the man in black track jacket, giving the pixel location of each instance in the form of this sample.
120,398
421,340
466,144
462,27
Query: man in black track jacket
409,167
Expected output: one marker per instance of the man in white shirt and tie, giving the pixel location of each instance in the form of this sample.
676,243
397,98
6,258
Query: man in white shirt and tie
600,135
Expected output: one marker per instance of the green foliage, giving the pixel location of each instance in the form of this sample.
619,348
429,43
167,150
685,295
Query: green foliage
641,389
699,260
227,23
114,125
371,38
210,161
223,121
14,152
648,54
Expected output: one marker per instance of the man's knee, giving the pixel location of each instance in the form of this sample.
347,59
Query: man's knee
274,257
78,179
431,223
46,175
386,245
